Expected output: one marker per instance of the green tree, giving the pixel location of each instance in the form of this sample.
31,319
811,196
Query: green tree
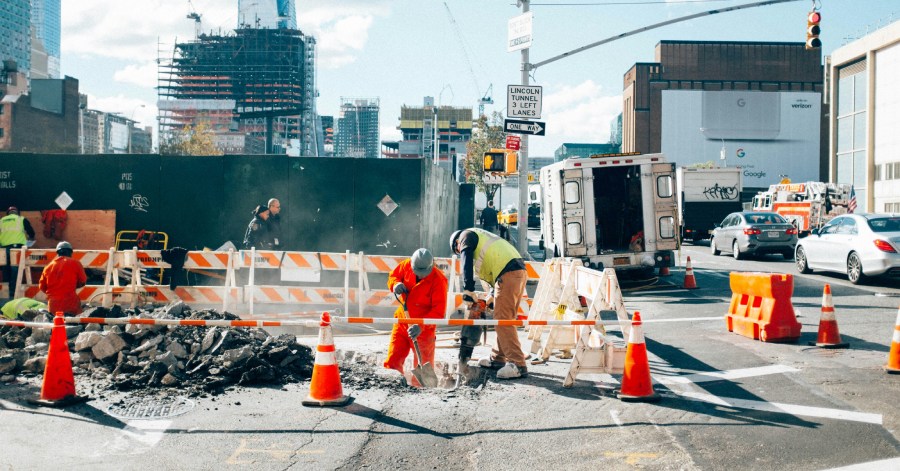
197,139
487,134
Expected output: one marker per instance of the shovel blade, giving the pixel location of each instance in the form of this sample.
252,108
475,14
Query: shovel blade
426,376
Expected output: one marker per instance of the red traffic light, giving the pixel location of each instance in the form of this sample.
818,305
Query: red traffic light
813,30
814,17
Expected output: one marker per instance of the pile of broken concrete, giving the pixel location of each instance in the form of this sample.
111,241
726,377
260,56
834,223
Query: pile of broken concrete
197,360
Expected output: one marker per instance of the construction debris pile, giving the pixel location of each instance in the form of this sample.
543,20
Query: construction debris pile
197,360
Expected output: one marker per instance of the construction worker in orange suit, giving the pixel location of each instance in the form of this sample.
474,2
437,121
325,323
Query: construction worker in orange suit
423,287
62,276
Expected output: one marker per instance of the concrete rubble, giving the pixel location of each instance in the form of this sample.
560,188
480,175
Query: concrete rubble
196,360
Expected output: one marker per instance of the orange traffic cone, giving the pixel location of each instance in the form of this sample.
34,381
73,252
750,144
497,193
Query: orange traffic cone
689,281
58,388
829,336
893,364
637,386
325,387
664,271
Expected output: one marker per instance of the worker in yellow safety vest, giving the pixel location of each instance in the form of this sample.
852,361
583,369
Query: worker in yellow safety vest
15,231
498,263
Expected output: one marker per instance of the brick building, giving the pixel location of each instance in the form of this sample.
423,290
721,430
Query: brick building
45,120
705,67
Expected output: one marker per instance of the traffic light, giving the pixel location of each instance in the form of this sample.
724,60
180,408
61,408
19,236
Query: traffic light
813,30
495,160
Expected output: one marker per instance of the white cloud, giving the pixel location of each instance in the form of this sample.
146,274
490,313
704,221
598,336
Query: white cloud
341,32
390,133
575,113
140,75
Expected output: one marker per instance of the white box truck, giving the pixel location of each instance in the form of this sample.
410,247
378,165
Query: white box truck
612,211
705,197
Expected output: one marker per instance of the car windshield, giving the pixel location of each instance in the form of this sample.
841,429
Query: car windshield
888,224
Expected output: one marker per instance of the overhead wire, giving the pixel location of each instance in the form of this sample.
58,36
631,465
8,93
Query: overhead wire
643,2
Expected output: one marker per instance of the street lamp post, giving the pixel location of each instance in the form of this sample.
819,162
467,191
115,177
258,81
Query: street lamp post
131,125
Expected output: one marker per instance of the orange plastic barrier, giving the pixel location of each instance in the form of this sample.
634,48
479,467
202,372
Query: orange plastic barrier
761,307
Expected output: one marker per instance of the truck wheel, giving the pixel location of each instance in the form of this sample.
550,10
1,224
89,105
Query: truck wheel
736,252
712,247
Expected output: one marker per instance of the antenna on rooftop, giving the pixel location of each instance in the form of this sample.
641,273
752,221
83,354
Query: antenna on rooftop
193,15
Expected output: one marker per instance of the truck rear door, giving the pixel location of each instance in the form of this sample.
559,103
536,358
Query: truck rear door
661,235
578,226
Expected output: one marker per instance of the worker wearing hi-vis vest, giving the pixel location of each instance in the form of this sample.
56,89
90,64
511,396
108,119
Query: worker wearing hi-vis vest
423,288
498,263
15,231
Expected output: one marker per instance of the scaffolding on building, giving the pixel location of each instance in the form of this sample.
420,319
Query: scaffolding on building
357,128
253,85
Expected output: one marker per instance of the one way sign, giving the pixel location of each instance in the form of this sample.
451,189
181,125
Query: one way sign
518,126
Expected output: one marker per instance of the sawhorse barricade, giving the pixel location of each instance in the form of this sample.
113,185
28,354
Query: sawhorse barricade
293,266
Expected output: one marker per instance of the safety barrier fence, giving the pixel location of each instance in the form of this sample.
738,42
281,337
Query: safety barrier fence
295,267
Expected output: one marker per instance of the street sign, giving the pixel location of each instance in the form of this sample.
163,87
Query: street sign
517,126
513,142
493,179
518,33
524,101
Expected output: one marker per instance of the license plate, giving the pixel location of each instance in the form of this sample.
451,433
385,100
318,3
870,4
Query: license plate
621,261
773,233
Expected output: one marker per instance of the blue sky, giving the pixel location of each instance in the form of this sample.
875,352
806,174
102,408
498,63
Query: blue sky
403,50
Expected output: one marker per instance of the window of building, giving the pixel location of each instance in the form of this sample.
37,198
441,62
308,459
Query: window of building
852,129
1,132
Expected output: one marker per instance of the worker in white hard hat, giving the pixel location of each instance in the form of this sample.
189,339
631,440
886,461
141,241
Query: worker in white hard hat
423,288
60,280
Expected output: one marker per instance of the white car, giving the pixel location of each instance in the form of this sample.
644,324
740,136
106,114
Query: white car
861,245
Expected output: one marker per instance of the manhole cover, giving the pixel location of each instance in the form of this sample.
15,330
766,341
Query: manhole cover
150,407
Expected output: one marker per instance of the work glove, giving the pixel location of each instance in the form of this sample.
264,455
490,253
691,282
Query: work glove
414,331
468,297
400,289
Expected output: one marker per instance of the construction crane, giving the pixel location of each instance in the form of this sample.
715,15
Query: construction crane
193,15
486,98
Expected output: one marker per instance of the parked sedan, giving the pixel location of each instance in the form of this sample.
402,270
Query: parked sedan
861,245
754,233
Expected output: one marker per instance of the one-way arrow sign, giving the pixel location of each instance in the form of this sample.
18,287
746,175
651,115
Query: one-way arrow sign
518,126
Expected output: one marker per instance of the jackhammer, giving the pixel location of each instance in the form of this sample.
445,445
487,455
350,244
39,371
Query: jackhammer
468,338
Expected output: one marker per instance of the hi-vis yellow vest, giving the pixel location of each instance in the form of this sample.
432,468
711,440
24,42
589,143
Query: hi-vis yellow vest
12,230
492,254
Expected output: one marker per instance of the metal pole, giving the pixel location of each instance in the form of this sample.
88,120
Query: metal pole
522,223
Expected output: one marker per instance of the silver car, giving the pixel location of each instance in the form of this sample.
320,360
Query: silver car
754,233
861,245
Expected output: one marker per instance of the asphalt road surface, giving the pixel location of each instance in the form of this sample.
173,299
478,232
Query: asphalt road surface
728,402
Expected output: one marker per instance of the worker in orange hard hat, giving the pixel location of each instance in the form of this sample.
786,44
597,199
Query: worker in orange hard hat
423,287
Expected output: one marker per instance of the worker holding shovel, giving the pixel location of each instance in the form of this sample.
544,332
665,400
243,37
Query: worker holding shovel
422,291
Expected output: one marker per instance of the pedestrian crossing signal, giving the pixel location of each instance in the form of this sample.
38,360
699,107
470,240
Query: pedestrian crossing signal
812,30
494,161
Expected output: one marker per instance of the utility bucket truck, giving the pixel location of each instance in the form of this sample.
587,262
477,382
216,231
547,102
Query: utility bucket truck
808,205
612,211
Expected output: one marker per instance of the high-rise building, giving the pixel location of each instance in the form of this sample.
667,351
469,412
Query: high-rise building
45,23
582,150
864,112
267,14
450,127
256,84
15,35
357,129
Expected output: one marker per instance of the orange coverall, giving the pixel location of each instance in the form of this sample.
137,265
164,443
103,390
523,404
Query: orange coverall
60,279
427,298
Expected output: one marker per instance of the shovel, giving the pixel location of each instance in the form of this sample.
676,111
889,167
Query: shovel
424,373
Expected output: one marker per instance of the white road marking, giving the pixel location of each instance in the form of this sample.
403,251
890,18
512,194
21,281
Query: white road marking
725,375
138,437
889,464
615,417
777,407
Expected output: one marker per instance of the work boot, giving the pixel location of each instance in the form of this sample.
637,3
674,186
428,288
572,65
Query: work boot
512,371
490,363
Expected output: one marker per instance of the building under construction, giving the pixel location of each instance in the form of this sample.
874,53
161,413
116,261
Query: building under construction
423,126
254,88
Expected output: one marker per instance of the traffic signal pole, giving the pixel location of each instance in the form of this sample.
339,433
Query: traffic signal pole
522,223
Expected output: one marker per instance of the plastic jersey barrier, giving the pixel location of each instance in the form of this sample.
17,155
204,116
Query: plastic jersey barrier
761,307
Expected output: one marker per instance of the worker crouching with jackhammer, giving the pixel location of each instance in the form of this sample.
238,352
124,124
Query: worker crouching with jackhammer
498,263
422,288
